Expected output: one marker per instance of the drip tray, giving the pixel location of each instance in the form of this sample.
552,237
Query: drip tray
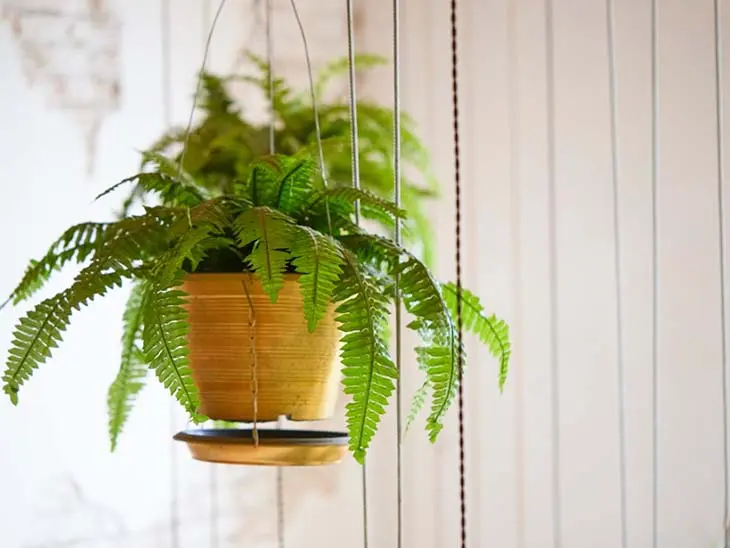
275,447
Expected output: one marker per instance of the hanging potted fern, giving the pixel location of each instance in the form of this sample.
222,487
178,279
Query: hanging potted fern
226,140
276,271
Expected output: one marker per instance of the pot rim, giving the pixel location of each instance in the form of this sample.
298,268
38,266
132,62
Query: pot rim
197,275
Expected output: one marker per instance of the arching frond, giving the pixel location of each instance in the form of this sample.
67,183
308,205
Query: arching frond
76,244
492,331
41,329
419,400
281,182
347,196
378,251
368,370
272,233
438,355
132,369
167,187
187,247
317,258
165,344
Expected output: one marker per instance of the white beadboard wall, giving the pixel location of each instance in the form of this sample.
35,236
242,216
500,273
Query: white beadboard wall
66,134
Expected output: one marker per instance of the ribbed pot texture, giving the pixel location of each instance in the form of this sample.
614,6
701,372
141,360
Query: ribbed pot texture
297,372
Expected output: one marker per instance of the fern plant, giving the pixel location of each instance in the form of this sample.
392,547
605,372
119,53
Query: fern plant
224,142
281,218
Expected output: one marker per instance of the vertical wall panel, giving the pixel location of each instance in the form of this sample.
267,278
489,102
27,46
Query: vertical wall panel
689,335
532,350
489,249
585,279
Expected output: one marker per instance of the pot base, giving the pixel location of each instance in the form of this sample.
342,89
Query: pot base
275,448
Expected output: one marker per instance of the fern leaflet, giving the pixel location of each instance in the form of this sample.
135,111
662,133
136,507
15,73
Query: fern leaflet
75,244
294,185
368,371
40,330
317,258
165,344
492,331
438,356
272,233
419,400
347,196
132,369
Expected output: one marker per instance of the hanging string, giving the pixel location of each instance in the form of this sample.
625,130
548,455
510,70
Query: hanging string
397,303
270,62
655,284
610,17
212,469
198,87
356,184
719,113
165,46
174,522
459,318
272,150
318,133
552,243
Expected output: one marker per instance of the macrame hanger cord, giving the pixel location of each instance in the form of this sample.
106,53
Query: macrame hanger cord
398,238
356,184
610,17
459,318
280,529
720,136
252,362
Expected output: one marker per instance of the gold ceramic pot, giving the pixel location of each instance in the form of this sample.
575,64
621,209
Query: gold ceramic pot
296,372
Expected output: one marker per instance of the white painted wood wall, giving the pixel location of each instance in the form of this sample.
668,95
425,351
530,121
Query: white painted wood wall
61,487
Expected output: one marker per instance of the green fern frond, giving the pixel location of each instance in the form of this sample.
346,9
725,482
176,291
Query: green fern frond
317,258
165,344
272,232
368,371
133,240
419,400
346,195
216,99
284,183
492,331
439,354
132,369
378,251
261,180
123,392
282,99
216,213
35,336
188,247
40,330
439,359
74,245
166,186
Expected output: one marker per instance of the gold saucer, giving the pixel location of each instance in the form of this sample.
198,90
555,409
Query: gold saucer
275,447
